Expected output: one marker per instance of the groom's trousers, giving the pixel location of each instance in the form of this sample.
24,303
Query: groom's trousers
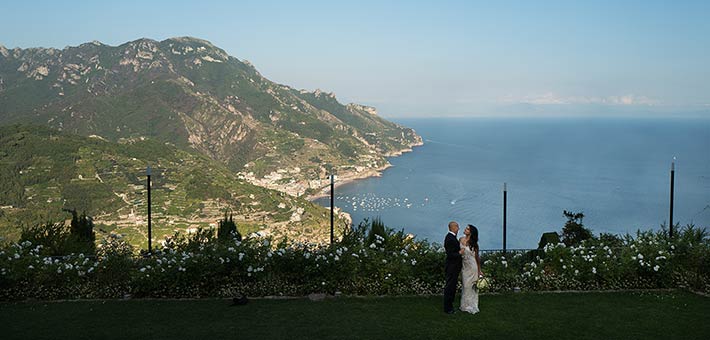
452,276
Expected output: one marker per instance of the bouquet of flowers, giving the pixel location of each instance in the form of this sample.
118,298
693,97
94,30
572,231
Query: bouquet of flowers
482,283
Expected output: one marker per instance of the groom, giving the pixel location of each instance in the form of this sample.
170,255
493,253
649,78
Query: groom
453,266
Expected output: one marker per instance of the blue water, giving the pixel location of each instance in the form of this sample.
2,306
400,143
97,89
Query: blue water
616,171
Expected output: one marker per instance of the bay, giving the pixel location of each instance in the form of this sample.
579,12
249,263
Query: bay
614,170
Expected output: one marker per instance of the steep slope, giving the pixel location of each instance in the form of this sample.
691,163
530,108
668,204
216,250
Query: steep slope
43,170
188,92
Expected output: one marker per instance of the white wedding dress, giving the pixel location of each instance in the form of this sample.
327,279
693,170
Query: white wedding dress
469,274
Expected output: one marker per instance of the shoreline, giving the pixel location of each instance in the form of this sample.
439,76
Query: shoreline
372,173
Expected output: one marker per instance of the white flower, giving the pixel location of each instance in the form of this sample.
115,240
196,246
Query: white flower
564,267
414,262
250,269
576,272
17,255
59,270
373,246
384,261
241,256
31,267
672,247
355,255
322,283
561,261
143,270
640,256
336,258
656,268
594,270
230,249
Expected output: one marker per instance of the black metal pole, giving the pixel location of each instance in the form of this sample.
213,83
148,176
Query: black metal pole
150,234
332,212
672,188
505,215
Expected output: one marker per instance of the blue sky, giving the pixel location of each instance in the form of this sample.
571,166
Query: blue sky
411,58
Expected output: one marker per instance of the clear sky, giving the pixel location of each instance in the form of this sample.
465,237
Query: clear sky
411,58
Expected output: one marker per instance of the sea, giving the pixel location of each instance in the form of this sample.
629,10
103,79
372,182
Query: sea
616,171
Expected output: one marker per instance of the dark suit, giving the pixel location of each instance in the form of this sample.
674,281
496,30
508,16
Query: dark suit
452,270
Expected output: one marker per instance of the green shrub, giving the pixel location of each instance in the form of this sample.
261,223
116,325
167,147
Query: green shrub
548,238
574,231
82,232
227,229
52,236
201,265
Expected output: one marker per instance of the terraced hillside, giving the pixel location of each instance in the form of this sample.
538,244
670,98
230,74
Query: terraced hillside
43,170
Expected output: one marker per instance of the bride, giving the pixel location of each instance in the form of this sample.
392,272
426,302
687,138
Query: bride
471,270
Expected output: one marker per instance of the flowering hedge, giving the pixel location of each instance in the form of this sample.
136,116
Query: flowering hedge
650,260
392,264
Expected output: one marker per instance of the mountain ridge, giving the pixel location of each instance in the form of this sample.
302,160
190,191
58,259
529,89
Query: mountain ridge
179,96
188,92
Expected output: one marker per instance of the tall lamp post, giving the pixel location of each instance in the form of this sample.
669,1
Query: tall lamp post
505,215
150,236
670,233
332,206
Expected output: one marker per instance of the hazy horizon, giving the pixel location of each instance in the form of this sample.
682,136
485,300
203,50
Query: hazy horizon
419,59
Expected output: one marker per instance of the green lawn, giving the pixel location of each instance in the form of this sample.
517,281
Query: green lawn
647,315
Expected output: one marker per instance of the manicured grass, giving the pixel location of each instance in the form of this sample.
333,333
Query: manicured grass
628,315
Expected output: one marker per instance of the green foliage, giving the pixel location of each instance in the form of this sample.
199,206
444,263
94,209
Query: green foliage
199,265
548,238
43,170
51,236
574,231
227,229
82,231
377,230
612,240
56,239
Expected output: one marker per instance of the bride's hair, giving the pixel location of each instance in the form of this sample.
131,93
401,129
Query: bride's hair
473,239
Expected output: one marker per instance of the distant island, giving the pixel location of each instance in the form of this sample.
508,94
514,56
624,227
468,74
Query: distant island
80,125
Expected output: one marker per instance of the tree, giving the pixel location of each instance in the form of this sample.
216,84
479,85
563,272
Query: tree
81,231
227,229
377,228
548,238
574,231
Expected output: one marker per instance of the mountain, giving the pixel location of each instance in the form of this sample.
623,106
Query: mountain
43,170
194,96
